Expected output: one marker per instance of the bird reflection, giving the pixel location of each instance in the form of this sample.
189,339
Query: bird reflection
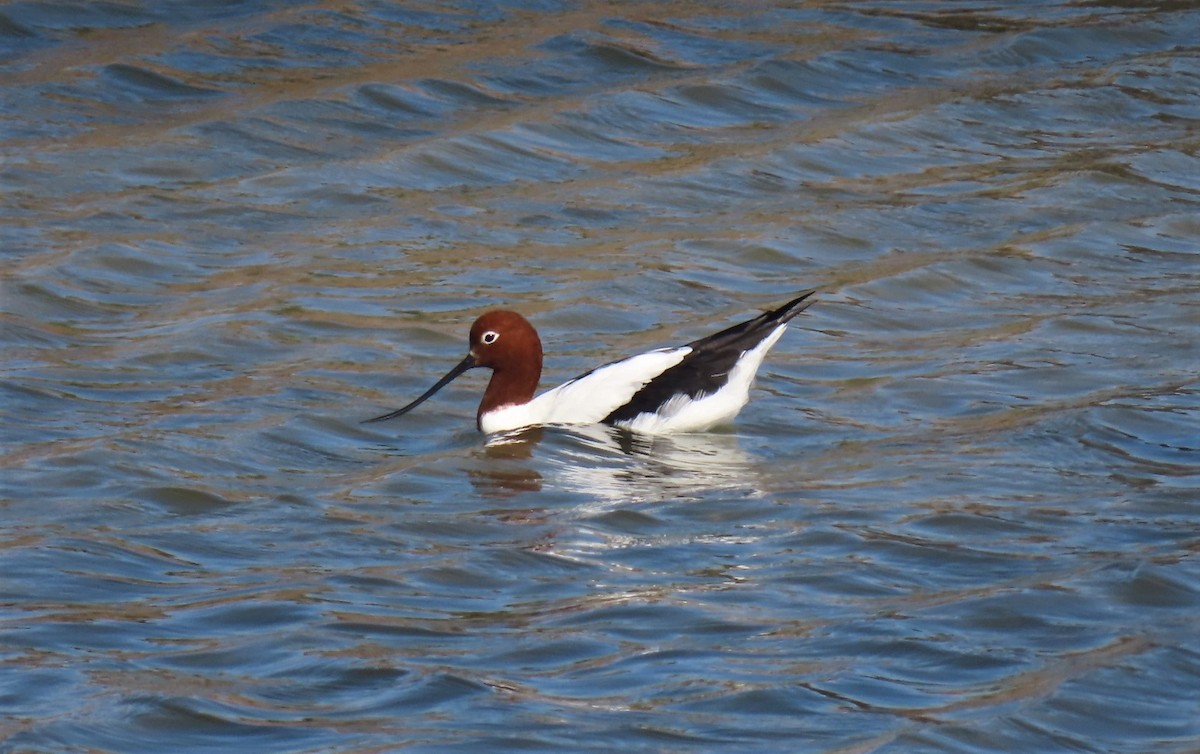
508,469
637,468
611,466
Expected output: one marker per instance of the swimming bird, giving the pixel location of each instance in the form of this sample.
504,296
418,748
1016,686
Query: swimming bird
688,388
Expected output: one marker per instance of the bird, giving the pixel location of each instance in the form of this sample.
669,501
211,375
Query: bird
688,388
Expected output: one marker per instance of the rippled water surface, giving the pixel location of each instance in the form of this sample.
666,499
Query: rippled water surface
960,514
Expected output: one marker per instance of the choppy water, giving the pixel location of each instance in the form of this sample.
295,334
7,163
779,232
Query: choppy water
961,513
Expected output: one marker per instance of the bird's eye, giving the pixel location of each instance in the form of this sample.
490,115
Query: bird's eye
490,337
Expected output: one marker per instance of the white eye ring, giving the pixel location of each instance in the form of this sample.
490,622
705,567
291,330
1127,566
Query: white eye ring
490,337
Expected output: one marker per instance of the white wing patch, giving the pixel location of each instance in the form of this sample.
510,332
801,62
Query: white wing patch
590,398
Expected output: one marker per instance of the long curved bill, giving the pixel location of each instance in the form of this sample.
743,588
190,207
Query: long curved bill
464,365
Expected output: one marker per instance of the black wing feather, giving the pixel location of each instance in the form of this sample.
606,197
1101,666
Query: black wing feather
706,369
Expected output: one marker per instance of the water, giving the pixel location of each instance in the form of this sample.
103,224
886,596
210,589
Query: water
960,514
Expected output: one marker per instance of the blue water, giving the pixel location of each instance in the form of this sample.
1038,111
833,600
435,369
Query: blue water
960,514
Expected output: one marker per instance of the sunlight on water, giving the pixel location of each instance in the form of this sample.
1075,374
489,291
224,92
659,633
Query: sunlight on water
959,514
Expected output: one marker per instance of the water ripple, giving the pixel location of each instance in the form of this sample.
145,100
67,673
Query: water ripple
958,514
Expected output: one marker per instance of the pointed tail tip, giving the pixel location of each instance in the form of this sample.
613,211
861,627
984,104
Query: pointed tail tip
796,305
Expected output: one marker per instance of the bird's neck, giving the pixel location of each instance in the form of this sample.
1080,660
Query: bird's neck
510,386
